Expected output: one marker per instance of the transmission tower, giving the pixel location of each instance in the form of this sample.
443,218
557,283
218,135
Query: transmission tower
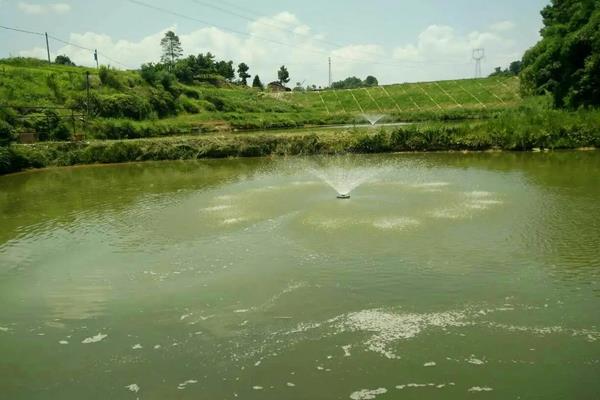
478,55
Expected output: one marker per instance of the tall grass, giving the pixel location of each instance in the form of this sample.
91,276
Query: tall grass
528,128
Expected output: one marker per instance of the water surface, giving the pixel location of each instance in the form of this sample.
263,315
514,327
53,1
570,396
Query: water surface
444,276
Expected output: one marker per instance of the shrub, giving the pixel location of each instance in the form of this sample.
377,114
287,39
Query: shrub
54,86
188,105
123,106
162,102
110,78
7,133
5,160
216,102
61,132
207,105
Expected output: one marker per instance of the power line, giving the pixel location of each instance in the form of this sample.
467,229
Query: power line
177,14
89,49
282,28
21,30
63,42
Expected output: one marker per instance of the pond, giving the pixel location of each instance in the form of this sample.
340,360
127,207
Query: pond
443,276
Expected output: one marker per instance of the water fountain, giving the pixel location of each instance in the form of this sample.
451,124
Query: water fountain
343,175
373,118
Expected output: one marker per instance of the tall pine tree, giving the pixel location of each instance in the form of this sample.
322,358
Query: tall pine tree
171,49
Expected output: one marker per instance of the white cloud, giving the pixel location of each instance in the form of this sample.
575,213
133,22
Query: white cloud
503,26
439,52
40,9
442,52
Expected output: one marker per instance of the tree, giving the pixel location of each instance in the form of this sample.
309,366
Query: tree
371,81
64,60
7,134
225,69
515,67
171,49
566,62
256,83
283,76
243,73
348,83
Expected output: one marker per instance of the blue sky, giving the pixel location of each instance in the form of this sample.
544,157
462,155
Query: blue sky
396,41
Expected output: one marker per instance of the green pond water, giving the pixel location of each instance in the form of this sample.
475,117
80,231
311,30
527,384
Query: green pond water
445,276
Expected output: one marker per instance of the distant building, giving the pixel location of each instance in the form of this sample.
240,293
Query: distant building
277,86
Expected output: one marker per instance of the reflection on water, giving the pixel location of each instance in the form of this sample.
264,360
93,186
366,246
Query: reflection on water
449,275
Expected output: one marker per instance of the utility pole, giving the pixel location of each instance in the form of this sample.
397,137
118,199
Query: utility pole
87,103
329,71
478,55
48,48
95,58
87,89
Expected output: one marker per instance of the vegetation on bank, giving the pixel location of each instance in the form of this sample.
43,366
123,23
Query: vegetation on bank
566,62
132,104
524,129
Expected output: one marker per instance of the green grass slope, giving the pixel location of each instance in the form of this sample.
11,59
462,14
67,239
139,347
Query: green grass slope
124,105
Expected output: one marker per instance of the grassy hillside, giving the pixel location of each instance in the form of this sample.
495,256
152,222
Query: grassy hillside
124,105
413,97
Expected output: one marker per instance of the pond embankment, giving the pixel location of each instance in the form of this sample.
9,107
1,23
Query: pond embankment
518,132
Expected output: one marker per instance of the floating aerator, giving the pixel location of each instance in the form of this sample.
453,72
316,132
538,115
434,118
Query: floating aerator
343,196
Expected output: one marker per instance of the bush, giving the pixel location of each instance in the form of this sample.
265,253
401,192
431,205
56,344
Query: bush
110,78
216,102
61,132
7,133
188,105
123,106
207,105
162,102
5,160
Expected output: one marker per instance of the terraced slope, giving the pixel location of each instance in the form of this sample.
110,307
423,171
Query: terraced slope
427,96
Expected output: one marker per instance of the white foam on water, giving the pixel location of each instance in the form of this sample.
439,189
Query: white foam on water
304,183
347,350
156,347
225,197
233,221
217,208
430,185
183,385
332,223
185,316
480,389
449,213
304,327
94,339
430,364
396,223
589,334
3,329
424,385
489,202
241,311
257,387
478,194
475,361
63,342
290,384
133,388
388,327
367,394
137,347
